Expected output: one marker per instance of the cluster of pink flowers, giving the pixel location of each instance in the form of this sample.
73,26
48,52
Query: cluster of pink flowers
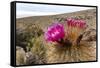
76,23
56,32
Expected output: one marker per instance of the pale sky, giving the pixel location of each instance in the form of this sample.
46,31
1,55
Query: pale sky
27,9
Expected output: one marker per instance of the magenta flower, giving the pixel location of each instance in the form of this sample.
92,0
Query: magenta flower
55,32
76,23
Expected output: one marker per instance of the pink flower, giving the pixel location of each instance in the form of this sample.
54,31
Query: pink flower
76,23
55,32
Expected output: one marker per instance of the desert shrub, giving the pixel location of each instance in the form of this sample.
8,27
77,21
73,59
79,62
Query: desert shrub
26,37
39,50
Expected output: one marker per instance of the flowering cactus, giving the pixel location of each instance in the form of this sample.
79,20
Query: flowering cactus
55,32
76,23
74,28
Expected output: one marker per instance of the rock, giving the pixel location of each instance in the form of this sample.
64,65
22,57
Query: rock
23,45
33,59
20,56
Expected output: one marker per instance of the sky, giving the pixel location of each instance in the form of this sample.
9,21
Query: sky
28,9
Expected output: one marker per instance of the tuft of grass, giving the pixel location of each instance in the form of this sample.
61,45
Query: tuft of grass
39,49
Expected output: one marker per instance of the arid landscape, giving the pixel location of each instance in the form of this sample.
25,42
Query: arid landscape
32,48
